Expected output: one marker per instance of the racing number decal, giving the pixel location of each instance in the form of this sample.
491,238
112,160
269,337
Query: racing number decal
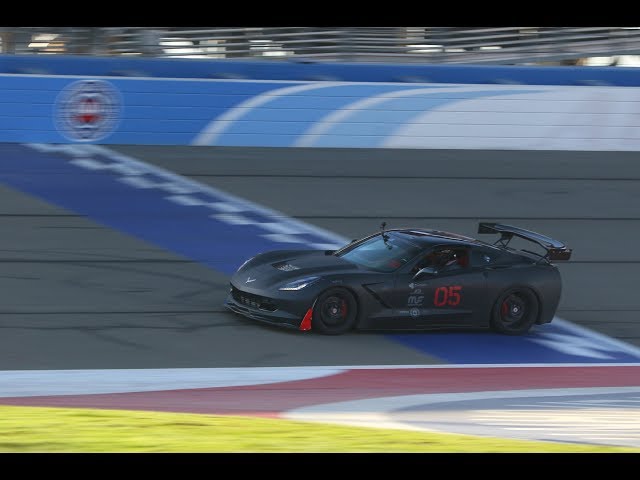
447,296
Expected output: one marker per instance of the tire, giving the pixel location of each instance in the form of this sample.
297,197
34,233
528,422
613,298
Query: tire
335,312
515,311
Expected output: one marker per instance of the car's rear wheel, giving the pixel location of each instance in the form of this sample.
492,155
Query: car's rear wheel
515,311
335,312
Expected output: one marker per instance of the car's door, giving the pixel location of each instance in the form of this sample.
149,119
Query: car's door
442,296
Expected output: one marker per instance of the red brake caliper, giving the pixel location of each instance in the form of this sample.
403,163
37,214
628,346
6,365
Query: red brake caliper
343,309
505,309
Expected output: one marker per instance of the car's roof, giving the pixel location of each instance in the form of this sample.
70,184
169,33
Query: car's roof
439,237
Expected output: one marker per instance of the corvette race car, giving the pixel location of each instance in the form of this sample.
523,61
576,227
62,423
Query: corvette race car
406,279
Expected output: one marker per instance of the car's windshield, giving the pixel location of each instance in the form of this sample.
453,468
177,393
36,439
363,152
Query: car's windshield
383,253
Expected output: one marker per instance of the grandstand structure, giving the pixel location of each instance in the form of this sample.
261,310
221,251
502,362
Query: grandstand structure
603,46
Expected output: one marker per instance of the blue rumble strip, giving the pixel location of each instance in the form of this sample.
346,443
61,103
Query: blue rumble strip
199,222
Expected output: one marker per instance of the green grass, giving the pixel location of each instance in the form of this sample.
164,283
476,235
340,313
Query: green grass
39,429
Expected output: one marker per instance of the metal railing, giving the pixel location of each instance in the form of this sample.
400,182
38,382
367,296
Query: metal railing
506,45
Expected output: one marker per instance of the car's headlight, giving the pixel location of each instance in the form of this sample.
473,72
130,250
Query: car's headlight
299,284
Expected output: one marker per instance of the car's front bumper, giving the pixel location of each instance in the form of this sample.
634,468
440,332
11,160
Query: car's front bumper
281,308
279,318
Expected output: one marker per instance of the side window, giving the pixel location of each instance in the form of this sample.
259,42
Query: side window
427,260
481,257
458,258
445,259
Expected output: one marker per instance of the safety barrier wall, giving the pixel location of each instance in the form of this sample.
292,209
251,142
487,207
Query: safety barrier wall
108,110
301,70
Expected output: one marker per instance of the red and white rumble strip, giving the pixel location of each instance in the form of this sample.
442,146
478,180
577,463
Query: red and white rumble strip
275,391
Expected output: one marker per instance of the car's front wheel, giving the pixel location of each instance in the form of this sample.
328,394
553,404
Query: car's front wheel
335,311
515,311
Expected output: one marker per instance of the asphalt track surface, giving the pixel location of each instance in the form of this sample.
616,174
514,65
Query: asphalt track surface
589,200
79,295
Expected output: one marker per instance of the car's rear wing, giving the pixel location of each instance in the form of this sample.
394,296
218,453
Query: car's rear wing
555,250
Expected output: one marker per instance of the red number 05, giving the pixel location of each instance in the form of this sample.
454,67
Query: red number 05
447,296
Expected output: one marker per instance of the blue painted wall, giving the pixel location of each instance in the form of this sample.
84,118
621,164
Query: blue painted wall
154,111
177,112
314,71
149,111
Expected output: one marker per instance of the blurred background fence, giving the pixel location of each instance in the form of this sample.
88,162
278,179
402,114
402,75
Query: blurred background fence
446,45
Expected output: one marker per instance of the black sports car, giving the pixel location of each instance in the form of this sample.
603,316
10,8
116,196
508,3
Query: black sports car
406,279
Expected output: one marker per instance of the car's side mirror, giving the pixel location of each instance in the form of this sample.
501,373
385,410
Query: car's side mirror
425,272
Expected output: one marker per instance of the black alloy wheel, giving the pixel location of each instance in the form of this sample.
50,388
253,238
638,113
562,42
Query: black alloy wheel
515,311
335,312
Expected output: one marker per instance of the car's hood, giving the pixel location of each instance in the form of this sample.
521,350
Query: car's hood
279,270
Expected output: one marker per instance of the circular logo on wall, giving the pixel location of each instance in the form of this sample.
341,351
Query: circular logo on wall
87,110
415,312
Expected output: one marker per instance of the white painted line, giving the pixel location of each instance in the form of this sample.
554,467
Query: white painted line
570,344
225,207
177,189
185,200
616,438
356,412
599,404
93,164
29,383
140,182
557,415
525,429
233,219
281,237
82,150
277,227
387,404
89,163
585,332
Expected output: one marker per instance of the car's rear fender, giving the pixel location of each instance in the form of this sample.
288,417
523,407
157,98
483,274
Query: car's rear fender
543,280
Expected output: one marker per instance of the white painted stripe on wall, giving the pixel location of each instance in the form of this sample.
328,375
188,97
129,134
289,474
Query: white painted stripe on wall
563,118
342,115
210,133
